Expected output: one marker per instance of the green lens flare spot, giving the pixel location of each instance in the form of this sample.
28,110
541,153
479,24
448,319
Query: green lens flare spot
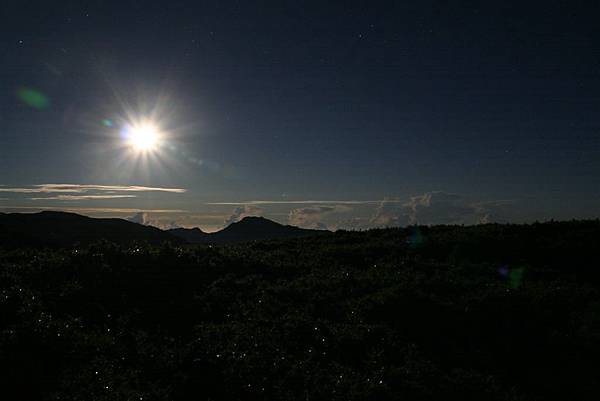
416,238
33,98
515,278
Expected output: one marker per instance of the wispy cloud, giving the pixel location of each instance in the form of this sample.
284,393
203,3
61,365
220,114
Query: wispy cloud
82,197
139,218
439,207
85,188
20,190
300,202
93,209
243,211
313,216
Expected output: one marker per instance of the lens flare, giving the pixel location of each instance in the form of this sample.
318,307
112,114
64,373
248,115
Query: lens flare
33,98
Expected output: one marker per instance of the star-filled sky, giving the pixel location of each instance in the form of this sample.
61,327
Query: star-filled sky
318,114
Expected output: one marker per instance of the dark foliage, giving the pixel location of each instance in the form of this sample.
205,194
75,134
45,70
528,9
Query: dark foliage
493,312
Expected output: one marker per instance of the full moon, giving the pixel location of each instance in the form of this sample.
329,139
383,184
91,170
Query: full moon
143,137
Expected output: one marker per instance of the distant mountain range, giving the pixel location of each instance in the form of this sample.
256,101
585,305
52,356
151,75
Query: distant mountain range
65,229
249,228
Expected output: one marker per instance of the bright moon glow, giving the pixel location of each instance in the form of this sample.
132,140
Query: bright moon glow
143,137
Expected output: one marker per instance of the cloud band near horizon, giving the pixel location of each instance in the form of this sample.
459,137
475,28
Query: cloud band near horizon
305,202
84,188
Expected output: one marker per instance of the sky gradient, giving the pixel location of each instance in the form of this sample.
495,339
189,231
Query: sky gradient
338,115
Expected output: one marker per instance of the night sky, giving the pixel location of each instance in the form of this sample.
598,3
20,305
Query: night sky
324,114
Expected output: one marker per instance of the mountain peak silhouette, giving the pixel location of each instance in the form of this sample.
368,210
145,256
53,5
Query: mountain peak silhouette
250,228
59,229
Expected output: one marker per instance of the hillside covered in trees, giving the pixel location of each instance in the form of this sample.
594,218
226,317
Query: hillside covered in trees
490,312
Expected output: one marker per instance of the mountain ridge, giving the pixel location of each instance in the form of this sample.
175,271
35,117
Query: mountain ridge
250,228
59,229
56,228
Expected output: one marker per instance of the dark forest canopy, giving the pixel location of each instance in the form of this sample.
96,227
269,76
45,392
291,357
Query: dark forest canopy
491,312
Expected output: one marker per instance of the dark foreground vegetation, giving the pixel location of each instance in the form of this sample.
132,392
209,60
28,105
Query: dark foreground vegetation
492,312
